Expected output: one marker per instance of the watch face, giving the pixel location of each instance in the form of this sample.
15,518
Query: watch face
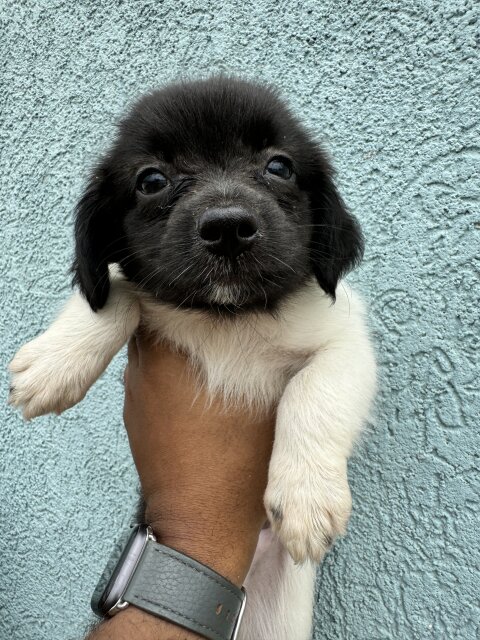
119,570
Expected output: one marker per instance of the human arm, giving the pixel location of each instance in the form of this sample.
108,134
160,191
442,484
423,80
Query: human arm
203,471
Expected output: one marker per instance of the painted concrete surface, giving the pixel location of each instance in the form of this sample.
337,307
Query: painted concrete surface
392,89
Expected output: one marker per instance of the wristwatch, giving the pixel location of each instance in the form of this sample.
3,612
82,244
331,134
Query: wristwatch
170,585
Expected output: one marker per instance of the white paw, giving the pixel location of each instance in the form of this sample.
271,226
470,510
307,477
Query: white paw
308,506
48,375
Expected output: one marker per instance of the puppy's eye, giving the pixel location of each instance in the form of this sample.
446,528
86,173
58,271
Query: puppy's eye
281,167
151,181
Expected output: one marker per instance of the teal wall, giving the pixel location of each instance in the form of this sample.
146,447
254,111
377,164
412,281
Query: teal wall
392,90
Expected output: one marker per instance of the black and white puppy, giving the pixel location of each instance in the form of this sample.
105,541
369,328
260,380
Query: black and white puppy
213,221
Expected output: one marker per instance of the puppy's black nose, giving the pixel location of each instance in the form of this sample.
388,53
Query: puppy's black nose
228,231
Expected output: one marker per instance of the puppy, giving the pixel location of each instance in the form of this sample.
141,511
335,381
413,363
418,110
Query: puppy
214,223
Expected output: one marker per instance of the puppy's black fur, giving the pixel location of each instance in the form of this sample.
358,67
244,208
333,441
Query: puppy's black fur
212,140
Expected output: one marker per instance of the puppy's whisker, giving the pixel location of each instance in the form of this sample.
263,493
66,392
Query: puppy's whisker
282,262
327,256
187,268
181,304
143,283
329,226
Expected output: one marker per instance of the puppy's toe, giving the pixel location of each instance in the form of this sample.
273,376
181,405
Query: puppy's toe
21,361
307,514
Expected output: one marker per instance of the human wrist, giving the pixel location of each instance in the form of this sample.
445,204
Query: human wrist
227,550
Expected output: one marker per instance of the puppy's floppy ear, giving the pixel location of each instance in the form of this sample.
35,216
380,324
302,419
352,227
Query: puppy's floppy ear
94,240
337,240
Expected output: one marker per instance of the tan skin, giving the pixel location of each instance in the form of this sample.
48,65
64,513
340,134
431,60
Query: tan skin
203,472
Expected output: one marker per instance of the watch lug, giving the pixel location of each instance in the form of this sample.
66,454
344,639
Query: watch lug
117,607
150,534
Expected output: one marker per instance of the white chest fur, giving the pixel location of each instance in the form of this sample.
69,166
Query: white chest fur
251,357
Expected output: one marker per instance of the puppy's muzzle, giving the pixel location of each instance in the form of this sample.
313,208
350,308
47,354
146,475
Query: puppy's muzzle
228,231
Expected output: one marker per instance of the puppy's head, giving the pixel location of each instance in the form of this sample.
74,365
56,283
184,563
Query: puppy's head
213,196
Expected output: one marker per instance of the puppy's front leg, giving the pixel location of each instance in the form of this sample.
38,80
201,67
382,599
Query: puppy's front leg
54,371
321,411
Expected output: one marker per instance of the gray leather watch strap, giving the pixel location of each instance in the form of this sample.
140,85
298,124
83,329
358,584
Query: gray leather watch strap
184,591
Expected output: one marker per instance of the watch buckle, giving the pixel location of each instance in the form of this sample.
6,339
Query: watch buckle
240,616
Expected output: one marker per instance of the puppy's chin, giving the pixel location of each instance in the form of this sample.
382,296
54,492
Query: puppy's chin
226,294
221,297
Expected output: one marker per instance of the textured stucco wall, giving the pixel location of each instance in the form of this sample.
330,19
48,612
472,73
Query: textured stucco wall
391,87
